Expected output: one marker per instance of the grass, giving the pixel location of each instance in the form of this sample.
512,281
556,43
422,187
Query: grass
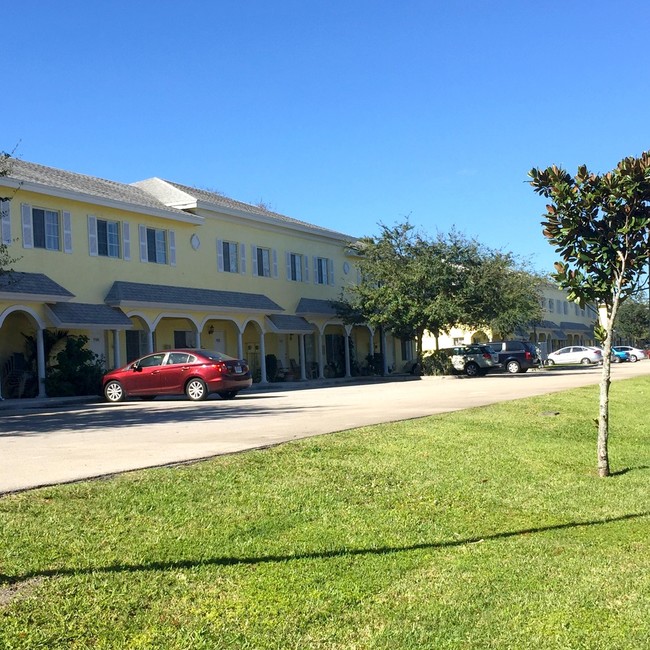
486,528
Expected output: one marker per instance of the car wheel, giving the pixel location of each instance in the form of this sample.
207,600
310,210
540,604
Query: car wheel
472,369
113,392
196,390
633,358
513,367
585,361
550,362
230,394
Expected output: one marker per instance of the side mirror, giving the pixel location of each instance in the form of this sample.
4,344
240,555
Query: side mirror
136,367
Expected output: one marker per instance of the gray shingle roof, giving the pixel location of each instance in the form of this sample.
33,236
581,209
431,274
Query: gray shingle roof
89,186
315,306
178,194
285,323
39,285
183,297
567,325
76,314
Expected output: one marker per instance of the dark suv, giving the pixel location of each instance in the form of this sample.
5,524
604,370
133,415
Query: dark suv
515,356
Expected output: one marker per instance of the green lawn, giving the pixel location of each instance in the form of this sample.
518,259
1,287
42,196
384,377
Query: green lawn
479,529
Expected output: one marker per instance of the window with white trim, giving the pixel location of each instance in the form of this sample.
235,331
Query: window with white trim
157,245
108,238
296,267
228,256
46,228
323,270
264,262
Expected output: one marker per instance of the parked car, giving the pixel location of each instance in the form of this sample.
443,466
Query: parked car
473,360
618,356
575,354
515,356
196,373
636,354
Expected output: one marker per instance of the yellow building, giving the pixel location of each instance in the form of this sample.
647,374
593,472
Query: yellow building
156,265
563,323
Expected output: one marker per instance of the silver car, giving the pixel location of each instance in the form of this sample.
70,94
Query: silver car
575,354
474,360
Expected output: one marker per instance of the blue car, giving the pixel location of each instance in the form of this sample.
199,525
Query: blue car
619,356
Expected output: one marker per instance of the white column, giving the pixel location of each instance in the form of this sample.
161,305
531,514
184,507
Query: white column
150,341
116,349
384,352
240,344
321,369
40,362
303,366
348,328
263,379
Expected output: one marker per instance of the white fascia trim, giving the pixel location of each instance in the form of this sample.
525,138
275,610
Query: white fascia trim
33,297
37,188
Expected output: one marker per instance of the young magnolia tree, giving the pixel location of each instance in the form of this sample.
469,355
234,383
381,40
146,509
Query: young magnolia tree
600,227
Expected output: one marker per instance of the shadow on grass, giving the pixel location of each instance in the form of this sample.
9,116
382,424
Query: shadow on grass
317,555
625,470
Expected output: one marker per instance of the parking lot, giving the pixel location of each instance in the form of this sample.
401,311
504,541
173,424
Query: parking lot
58,442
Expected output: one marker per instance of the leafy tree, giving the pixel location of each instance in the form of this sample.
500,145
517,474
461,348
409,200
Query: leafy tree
633,321
412,284
6,260
600,227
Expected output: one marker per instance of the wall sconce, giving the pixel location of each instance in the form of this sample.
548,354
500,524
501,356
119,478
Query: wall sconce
211,329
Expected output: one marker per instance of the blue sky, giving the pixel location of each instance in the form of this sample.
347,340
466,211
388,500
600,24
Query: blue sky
341,113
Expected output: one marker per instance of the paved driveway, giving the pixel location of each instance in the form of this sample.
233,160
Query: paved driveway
67,443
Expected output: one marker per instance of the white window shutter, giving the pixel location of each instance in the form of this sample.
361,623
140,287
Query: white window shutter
219,254
26,219
243,258
172,248
126,240
254,259
67,232
305,276
92,235
6,221
275,263
330,271
288,260
143,243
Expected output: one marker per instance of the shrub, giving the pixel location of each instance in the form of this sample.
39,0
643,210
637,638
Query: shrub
437,363
78,370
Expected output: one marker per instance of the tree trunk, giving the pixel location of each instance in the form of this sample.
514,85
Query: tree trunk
603,410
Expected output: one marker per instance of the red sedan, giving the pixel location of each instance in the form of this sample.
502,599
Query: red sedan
196,373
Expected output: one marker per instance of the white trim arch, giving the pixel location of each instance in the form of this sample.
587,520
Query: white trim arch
29,310
40,343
